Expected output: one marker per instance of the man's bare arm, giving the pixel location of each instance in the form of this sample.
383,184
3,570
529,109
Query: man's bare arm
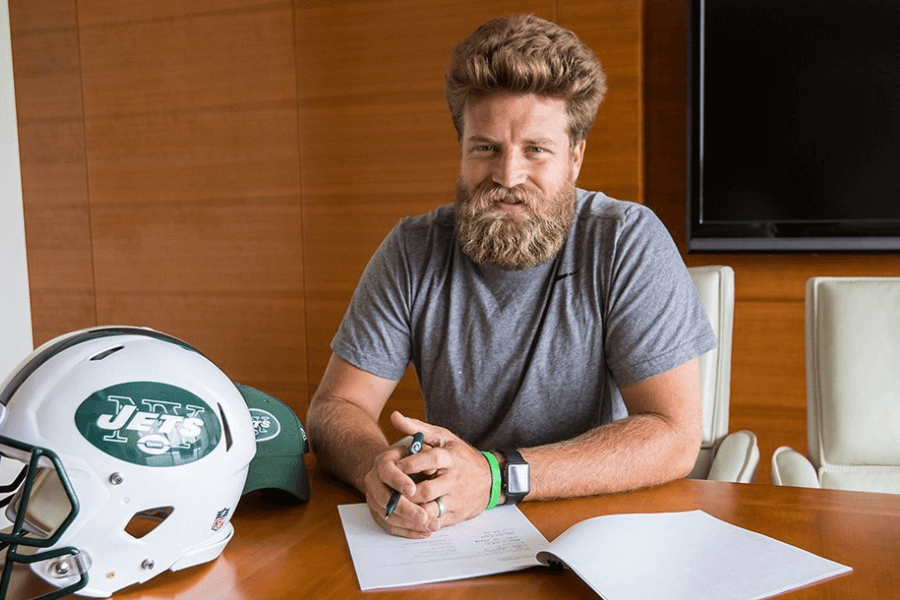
658,442
343,420
345,436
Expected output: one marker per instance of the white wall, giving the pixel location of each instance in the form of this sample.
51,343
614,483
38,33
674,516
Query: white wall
15,310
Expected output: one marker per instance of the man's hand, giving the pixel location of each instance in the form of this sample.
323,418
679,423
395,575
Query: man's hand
447,468
386,475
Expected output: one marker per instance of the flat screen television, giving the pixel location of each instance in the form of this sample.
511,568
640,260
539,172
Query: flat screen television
793,126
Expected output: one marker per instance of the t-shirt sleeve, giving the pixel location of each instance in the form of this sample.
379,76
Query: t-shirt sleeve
655,319
374,334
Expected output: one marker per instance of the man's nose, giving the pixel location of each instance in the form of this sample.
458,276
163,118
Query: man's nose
509,170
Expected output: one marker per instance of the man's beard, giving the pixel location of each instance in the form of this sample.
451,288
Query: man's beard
491,236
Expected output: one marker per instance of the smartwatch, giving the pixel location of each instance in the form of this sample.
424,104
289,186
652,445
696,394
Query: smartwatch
516,478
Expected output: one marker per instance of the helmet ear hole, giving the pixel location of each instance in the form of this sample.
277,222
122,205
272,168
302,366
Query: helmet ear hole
142,523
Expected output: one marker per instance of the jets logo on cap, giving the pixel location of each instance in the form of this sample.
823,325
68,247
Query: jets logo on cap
265,425
146,423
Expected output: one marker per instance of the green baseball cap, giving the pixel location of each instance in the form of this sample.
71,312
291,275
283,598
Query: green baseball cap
280,445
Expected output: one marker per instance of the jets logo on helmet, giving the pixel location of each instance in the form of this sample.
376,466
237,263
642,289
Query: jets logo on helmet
147,423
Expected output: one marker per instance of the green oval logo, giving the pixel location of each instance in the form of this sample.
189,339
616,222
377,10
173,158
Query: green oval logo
150,424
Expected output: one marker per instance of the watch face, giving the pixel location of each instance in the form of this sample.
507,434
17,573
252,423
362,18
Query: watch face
517,484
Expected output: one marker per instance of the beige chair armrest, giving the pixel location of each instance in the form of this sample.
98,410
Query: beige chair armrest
789,467
736,459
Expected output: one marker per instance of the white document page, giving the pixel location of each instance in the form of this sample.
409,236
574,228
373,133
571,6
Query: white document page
499,540
684,556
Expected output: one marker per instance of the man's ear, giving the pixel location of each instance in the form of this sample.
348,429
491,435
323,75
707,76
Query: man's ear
577,158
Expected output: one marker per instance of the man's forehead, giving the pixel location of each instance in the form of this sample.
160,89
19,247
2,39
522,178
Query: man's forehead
537,118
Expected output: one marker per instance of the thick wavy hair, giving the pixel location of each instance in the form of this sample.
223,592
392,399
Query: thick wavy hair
527,55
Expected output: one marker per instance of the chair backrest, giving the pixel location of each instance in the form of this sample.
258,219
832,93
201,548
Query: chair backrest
715,284
853,381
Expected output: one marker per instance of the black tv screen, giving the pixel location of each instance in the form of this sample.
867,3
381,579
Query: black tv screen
794,126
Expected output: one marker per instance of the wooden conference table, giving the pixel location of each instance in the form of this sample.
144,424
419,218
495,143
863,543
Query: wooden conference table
299,551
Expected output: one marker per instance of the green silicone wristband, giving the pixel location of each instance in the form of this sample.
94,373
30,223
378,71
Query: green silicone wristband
495,480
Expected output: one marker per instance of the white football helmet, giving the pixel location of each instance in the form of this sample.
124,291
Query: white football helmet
136,449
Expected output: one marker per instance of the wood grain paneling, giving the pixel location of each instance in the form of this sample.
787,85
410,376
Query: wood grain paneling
113,12
47,72
194,180
143,63
767,354
181,120
612,29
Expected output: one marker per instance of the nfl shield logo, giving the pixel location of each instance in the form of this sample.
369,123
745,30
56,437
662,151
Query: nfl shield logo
220,519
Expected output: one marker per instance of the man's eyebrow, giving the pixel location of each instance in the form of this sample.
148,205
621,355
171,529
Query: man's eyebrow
541,142
538,141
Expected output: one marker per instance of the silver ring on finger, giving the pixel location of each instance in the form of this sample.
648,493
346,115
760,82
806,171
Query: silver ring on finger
440,506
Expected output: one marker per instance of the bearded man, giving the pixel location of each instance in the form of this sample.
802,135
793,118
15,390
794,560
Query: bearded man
555,332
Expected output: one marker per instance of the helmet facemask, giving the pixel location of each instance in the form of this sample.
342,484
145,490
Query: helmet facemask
40,504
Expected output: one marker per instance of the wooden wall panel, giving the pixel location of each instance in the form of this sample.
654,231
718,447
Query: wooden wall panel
54,177
161,164
768,355
191,131
612,29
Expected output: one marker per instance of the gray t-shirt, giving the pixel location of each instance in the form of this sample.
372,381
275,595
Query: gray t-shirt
521,358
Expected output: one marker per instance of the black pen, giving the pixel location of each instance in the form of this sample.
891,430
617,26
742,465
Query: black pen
414,448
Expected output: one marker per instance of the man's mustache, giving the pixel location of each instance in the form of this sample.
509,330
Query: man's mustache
491,192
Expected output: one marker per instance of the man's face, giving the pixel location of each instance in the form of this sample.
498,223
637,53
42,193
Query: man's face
516,192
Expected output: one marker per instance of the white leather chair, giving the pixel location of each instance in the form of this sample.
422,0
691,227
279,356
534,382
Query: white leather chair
723,457
852,388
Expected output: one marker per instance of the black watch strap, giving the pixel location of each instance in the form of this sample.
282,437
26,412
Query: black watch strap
516,476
